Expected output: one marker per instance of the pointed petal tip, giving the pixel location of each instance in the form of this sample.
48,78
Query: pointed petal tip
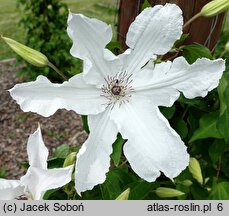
38,128
36,150
37,132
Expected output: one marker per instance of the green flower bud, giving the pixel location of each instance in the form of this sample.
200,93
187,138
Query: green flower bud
70,159
206,180
227,47
30,55
187,183
164,192
124,195
215,7
195,170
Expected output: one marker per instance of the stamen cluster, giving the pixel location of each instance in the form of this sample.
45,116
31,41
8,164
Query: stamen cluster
117,89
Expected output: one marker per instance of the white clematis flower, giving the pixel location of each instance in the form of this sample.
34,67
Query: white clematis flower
122,94
38,178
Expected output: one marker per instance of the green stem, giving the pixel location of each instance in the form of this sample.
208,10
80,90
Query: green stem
218,168
222,54
191,20
123,163
57,70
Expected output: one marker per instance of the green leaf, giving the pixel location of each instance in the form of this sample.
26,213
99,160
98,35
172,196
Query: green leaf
216,150
184,187
198,192
140,190
85,124
49,193
223,90
220,191
195,51
183,176
114,46
117,150
55,163
193,120
62,151
182,39
168,112
115,183
181,127
145,4
225,164
55,194
207,127
201,103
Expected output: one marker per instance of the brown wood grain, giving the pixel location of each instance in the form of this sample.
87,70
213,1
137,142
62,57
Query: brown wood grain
128,10
204,31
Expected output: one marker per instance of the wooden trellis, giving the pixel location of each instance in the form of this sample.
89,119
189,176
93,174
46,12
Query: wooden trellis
204,31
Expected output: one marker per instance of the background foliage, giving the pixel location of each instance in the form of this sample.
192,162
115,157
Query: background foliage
45,23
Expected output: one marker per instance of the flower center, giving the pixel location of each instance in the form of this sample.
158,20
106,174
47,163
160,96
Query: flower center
117,89
22,197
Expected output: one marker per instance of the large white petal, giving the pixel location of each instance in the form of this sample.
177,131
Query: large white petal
37,151
90,36
45,98
38,181
165,81
10,189
93,159
154,31
152,145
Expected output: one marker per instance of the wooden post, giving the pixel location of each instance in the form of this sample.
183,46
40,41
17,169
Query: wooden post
128,10
204,31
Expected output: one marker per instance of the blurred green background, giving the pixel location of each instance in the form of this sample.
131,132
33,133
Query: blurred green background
10,16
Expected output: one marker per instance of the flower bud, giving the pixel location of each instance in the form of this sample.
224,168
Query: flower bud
164,192
124,195
187,183
30,55
195,170
206,180
215,7
70,159
227,47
